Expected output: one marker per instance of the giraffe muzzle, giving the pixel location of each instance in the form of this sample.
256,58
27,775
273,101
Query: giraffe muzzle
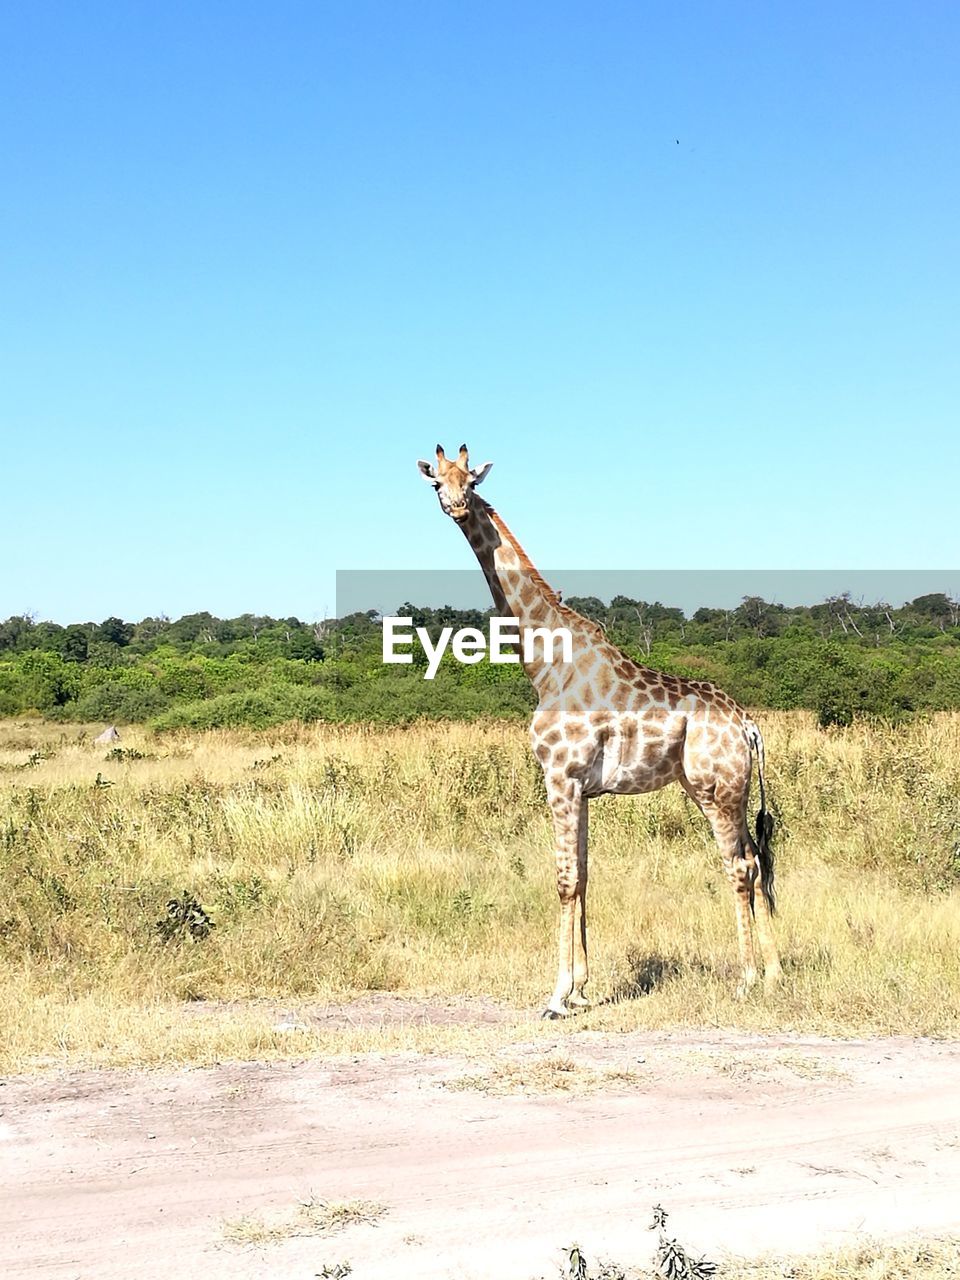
458,513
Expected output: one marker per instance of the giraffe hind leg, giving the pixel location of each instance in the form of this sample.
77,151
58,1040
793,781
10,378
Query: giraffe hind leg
741,872
763,913
727,823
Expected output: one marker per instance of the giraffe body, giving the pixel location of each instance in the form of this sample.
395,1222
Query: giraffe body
605,724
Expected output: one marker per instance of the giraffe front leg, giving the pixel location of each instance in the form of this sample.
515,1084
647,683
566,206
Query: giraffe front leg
576,999
557,1004
581,969
565,805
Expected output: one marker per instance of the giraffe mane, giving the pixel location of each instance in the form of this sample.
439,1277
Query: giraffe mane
536,577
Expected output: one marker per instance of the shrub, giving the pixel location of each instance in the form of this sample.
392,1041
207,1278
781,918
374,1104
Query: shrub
118,702
260,708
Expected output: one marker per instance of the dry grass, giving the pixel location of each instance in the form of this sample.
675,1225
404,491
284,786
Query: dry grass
933,1259
809,1067
543,1076
779,1065
311,1217
334,861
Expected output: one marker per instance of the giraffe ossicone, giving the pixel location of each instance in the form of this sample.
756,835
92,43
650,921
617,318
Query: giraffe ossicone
606,725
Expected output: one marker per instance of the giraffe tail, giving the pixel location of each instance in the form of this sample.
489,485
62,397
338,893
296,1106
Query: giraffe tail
764,828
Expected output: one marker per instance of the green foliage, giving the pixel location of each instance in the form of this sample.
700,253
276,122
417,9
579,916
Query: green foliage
75,644
841,660
259,708
116,631
185,918
118,702
44,681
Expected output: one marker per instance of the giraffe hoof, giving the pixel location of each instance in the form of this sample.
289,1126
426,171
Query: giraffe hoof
550,1015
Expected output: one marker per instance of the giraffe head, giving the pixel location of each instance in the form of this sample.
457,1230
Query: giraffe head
454,481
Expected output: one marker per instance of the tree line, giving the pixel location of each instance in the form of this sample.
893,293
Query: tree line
840,658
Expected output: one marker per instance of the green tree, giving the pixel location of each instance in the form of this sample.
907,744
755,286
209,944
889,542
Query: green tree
74,645
116,631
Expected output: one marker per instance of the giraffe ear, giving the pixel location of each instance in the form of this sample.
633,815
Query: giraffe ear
427,471
479,474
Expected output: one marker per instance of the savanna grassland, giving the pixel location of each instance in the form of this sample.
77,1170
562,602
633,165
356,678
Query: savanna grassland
337,860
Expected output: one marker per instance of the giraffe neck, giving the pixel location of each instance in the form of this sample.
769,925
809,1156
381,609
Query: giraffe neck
516,586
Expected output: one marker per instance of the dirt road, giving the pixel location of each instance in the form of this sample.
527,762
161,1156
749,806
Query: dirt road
752,1144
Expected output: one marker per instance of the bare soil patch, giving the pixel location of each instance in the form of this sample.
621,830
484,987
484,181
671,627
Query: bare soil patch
371,1011
483,1165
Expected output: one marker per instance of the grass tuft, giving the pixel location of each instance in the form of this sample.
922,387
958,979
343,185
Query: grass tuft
311,1217
543,1076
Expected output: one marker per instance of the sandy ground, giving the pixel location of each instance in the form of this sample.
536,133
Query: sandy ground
753,1144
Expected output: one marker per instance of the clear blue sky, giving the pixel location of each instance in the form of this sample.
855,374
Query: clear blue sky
687,272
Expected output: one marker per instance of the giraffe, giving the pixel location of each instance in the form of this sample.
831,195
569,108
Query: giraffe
604,724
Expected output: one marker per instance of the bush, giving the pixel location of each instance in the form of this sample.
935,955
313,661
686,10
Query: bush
259,708
119,703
